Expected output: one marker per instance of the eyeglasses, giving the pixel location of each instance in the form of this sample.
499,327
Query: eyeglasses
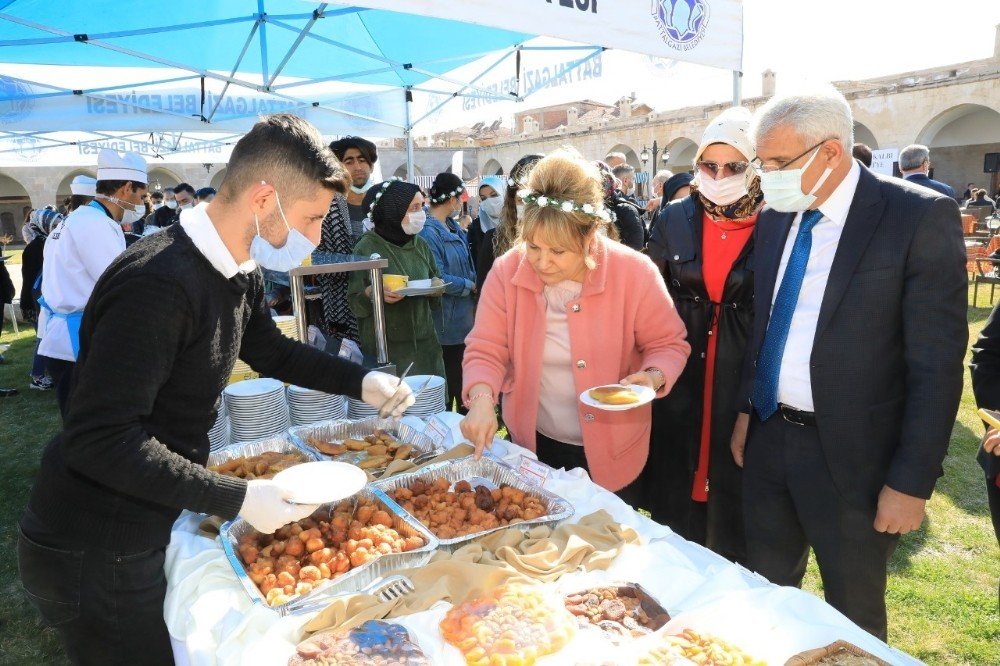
758,165
728,168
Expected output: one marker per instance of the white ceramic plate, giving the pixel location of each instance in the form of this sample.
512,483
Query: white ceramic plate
646,395
321,482
253,387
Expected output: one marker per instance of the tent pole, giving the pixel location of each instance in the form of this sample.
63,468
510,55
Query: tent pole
409,134
737,87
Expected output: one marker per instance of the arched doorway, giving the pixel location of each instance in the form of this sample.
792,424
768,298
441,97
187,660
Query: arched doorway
64,191
864,135
682,152
160,178
14,200
492,168
959,139
400,171
631,158
217,179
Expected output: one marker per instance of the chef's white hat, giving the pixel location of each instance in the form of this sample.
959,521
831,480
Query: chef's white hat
125,166
84,186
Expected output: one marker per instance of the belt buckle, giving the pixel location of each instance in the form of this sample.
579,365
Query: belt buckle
790,415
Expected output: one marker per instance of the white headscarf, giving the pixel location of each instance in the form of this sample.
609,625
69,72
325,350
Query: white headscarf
499,184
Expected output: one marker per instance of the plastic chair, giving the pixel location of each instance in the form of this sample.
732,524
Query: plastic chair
982,276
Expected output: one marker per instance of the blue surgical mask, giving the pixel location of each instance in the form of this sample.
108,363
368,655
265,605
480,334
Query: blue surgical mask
282,259
783,189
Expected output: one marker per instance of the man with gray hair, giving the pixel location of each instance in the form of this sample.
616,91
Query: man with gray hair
915,163
854,370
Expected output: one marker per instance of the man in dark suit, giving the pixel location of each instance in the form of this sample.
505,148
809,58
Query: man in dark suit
985,367
854,369
915,163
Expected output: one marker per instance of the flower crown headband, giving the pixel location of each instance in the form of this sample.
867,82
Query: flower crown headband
378,195
444,197
565,205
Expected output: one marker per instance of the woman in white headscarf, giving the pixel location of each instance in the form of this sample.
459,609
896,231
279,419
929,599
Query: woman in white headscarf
703,245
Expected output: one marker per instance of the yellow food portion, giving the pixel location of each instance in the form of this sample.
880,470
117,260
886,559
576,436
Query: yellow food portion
614,395
263,466
699,648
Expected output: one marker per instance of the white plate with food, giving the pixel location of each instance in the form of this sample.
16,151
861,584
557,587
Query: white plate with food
321,482
617,397
430,287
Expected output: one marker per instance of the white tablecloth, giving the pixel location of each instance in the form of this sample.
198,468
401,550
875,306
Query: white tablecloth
213,622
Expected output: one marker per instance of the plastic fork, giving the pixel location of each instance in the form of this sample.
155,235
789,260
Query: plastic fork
390,588
386,409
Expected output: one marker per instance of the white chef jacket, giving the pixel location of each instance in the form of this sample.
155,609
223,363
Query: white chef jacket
76,253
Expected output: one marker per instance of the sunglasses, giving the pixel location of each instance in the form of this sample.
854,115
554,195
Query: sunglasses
728,168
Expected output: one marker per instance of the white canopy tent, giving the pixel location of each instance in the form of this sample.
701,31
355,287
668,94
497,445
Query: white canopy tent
183,90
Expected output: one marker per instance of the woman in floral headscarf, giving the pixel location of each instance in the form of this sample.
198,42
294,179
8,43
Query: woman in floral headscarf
395,208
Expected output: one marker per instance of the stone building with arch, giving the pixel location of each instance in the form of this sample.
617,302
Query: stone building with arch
953,109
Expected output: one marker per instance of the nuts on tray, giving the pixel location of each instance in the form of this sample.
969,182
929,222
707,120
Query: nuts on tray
465,510
515,624
621,611
374,643
381,449
701,649
321,547
262,466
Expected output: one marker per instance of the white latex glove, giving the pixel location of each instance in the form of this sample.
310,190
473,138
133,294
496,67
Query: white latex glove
265,508
377,387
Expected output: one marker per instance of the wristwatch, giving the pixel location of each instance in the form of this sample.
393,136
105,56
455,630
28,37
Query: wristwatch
657,376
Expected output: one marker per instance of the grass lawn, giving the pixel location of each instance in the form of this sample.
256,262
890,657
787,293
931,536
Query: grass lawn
942,585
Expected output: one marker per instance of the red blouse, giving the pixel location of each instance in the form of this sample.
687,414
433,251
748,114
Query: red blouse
721,244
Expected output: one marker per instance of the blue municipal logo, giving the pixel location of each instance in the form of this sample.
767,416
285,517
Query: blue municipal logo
15,100
682,23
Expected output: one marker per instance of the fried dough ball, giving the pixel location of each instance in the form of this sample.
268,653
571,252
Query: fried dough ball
295,548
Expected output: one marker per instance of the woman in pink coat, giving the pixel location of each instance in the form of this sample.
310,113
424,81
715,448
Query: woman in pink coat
566,310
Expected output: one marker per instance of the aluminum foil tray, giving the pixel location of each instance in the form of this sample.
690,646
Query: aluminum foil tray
501,474
355,579
339,430
280,443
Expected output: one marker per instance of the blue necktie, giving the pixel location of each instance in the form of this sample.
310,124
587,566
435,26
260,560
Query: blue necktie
765,384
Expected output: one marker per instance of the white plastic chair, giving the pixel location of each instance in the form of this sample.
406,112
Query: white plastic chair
9,310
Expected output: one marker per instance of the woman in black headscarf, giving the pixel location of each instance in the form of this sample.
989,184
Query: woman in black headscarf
395,208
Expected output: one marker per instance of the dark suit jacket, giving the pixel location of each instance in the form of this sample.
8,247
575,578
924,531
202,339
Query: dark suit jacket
985,368
886,363
936,185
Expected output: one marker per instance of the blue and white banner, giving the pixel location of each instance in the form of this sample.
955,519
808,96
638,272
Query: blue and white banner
707,32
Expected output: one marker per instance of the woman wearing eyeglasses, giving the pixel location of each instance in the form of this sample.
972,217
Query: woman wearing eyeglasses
703,245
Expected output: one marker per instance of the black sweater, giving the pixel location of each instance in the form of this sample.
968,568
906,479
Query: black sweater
31,268
158,341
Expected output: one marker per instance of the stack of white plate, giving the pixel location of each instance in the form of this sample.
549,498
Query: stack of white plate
308,406
430,402
218,436
286,324
257,409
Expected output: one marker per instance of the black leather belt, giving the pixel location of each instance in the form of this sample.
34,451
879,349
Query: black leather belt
797,416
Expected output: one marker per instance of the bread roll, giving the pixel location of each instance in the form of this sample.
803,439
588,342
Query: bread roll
614,395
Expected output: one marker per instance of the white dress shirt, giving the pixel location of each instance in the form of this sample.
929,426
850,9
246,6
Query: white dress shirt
76,253
794,379
199,228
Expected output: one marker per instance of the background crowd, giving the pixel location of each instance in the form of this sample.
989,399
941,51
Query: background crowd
801,320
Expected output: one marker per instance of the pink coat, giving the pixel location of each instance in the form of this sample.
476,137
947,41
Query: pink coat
623,322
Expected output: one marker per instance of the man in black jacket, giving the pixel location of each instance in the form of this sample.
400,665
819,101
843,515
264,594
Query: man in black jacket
7,292
855,362
158,341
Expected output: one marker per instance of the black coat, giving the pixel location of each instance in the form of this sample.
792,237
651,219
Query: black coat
628,221
985,367
31,268
675,246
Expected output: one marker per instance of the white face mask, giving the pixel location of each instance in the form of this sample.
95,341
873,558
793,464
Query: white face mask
129,215
172,205
282,259
187,206
492,207
783,189
157,206
724,191
364,188
414,223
